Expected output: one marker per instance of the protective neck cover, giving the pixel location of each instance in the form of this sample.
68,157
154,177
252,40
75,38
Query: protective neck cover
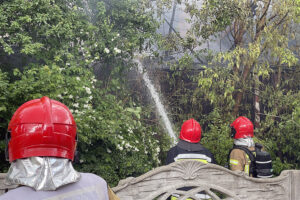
42,173
248,142
189,146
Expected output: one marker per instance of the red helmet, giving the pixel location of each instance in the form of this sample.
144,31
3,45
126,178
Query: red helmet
42,127
190,131
242,127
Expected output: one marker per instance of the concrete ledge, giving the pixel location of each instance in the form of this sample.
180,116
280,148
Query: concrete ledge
214,180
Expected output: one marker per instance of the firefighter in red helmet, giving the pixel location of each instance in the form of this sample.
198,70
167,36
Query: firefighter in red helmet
41,143
246,155
242,133
189,148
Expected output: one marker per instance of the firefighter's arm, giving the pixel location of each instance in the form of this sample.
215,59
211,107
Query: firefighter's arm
170,156
237,160
112,195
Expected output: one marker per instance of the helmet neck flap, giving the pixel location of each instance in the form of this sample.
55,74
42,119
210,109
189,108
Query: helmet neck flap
42,173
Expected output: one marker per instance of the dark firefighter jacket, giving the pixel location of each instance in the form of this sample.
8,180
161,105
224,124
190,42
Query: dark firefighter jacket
191,151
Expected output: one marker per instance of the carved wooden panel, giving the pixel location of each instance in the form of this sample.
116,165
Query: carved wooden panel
207,180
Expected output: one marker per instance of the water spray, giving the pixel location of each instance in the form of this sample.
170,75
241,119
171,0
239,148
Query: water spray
155,96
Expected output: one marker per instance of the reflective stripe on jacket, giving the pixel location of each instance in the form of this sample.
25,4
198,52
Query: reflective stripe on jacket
239,160
198,196
192,156
201,154
90,186
198,153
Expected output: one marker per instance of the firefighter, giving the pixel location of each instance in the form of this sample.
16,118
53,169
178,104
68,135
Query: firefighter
242,132
189,148
41,143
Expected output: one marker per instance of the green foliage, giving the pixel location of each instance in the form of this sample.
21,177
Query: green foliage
3,95
116,143
280,128
111,136
43,29
50,48
79,54
262,58
216,86
217,136
211,17
4,109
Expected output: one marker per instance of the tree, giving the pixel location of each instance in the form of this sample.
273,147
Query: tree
262,57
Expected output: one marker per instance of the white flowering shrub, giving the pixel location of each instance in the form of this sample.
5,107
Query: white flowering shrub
51,48
113,140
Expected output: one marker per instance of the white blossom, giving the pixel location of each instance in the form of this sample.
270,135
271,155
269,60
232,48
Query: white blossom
71,96
119,147
81,113
117,50
260,4
59,96
78,78
76,105
108,150
136,149
157,149
88,90
130,130
127,145
106,50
